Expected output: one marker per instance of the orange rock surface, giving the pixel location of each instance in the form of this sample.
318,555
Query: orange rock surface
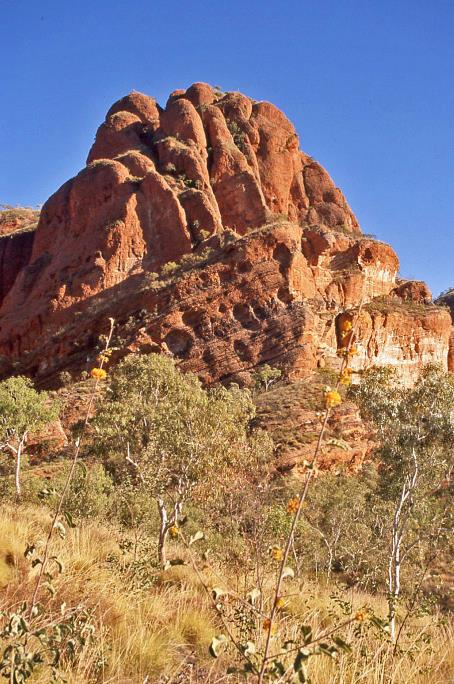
208,235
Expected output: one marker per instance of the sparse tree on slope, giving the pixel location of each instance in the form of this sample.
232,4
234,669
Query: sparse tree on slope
415,431
22,410
175,435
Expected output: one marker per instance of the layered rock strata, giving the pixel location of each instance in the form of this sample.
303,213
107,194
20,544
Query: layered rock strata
208,235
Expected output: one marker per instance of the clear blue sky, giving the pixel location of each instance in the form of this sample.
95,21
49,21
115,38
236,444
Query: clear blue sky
369,86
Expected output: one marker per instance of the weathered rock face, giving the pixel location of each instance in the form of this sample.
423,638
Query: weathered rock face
293,414
447,299
268,254
15,252
17,226
17,219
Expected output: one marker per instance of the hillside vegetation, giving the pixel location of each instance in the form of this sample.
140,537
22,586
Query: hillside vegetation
163,544
17,219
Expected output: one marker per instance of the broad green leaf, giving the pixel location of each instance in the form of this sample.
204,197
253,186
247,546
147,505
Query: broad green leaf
306,631
342,644
301,657
328,650
69,519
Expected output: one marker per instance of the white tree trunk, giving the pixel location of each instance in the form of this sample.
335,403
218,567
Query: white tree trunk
401,516
17,474
394,578
163,530
19,451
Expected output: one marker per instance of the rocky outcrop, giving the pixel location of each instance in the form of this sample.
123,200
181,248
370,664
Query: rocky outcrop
15,253
246,301
446,299
293,414
17,226
208,235
17,219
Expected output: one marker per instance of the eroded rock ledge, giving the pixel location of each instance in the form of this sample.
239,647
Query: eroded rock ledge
267,252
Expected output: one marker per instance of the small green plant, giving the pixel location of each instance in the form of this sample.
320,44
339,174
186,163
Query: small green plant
37,644
237,134
65,378
265,376
170,169
204,234
190,182
228,237
169,269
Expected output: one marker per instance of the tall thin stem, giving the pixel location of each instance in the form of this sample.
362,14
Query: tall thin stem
301,501
68,480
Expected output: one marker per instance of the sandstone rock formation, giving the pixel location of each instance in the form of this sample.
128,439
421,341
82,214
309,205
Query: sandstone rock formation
447,299
207,234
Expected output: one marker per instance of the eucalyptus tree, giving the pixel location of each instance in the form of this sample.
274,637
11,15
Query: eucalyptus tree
414,430
175,436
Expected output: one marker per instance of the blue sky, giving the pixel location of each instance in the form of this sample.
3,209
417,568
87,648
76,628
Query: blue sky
368,85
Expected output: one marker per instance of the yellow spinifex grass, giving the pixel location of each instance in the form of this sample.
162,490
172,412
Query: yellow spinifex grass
139,633
154,631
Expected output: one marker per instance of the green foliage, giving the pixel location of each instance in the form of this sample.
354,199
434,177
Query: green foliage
167,418
190,182
38,643
195,258
187,261
339,528
89,494
23,409
414,429
65,378
160,428
204,234
228,237
170,168
409,421
265,376
239,137
169,269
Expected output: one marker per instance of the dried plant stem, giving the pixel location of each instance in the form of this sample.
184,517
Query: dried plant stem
68,480
301,501
212,599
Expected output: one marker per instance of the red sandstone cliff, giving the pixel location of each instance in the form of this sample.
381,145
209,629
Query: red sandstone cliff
268,253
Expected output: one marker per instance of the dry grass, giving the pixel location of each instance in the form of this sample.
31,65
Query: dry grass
160,629
285,410
139,632
386,305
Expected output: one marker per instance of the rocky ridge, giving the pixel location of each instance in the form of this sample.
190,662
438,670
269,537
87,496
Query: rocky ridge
208,235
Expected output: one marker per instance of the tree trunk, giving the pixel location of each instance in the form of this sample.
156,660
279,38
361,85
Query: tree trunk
163,530
394,562
393,586
17,473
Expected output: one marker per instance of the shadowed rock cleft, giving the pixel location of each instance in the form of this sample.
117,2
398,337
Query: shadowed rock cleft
235,245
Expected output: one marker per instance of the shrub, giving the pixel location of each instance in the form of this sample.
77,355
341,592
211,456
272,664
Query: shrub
22,410
169,269
174,434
